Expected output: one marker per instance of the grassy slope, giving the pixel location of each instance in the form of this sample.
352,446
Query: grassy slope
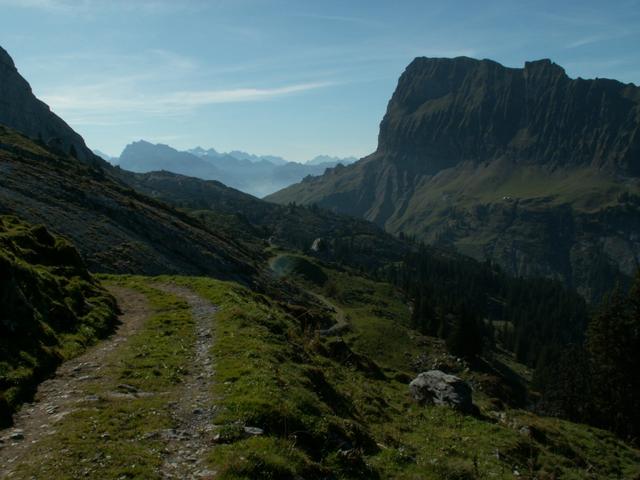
465,188
434,442
52,308
586,189
327,409
488,184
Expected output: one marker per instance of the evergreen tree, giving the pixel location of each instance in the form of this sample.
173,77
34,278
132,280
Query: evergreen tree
465,339
613,345
564,377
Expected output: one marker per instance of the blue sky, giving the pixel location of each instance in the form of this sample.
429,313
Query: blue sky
294,78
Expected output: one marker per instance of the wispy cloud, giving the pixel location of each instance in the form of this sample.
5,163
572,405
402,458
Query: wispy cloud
207,97
101,104
585,41
340,19
597,38
84,7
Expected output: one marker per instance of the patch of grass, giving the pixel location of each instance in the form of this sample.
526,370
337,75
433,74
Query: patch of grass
380,319
264,458
267,376
11,137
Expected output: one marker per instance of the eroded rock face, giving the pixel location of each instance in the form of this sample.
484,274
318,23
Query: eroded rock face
21,110
440,388
448,110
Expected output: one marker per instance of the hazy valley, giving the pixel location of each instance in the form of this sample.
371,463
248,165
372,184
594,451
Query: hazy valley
256,175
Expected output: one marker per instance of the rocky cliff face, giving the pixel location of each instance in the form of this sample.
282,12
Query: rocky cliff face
21,110
445,111
524,166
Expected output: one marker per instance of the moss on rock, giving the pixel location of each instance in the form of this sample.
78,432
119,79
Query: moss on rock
52,308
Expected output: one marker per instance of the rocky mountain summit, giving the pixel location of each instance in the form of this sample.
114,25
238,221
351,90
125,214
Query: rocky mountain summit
523,166
21,110
447,111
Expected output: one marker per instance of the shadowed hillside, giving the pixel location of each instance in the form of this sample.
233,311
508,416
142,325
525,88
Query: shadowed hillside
20,109
115,228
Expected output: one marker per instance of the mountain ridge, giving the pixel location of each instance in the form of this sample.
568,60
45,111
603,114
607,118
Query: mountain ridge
535,113
115,228
20,109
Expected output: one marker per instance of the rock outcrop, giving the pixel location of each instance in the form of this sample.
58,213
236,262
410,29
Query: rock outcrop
21,110
440,388
49,301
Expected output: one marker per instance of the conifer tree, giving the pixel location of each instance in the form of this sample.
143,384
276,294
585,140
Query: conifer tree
465,339
613,345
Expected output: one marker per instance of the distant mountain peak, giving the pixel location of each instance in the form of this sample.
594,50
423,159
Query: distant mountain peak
320,159
201,151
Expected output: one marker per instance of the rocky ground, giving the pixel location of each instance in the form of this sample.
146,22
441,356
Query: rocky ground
188,443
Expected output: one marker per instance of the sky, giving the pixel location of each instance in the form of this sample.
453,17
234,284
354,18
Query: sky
295,78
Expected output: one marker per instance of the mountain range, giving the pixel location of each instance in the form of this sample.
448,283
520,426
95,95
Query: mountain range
240,338
257,175
525,167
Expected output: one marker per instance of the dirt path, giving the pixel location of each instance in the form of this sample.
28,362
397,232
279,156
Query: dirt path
188,443
341,325
58,396
185,445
